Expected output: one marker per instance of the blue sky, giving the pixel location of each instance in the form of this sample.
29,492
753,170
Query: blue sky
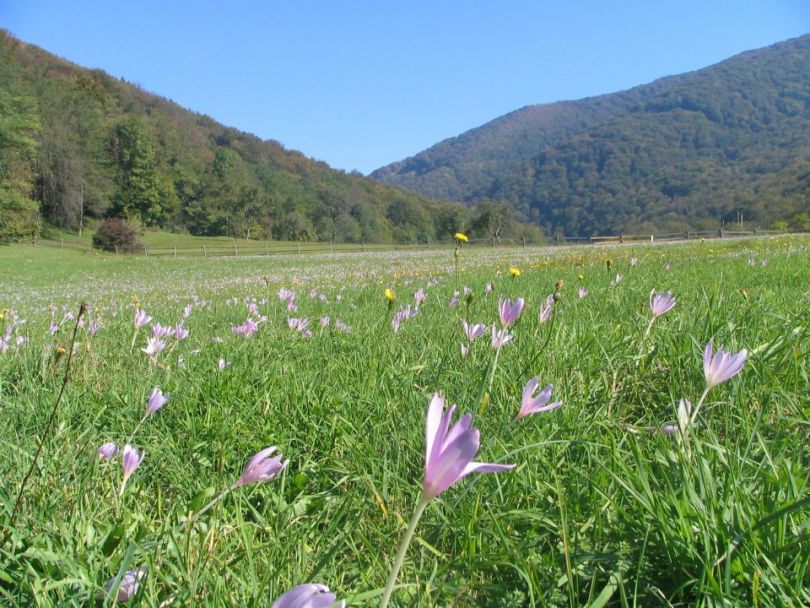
360,84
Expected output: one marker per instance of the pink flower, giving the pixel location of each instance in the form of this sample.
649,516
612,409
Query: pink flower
453,301
261,467
154,346
661,303
247,329
180,331
508,311
420,296
545,311
464,349
719,367
449,452
583,293
159,331
533,405
310,595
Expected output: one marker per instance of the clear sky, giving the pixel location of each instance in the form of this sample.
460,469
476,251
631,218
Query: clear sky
362,83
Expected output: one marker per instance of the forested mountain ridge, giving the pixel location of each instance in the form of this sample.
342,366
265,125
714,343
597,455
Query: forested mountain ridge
77,144
688,151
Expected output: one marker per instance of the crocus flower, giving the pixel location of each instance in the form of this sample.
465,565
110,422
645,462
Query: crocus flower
508,311
247,329
661,303
545,310
453,301
324,321
160,331
130,583
154,346
500,337
619,278
107,450
449,452
187,310
583,293
131,460
533,405
751,262
141,318
222,364
310,595
719,367
93,327
180,331
262,467
420,296
156,401
473,331
464,349
633,261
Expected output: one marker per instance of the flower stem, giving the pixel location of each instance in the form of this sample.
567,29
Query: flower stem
697,407
487,387
403,549
214,501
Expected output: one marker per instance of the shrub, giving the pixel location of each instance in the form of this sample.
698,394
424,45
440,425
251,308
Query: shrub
114,234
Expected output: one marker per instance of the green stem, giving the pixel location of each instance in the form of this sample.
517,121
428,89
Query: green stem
644,339
487,387
214,501
403,549
697,407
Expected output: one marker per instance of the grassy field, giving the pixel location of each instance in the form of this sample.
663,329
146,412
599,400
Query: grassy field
610,503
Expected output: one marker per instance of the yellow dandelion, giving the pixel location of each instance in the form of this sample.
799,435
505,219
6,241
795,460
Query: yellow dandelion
515,271
460,236
390,294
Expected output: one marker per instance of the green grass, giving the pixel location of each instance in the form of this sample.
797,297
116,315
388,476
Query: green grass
602,509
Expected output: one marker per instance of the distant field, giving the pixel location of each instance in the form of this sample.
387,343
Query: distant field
611,503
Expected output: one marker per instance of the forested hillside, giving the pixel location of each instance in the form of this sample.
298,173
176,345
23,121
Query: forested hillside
77,145
697,150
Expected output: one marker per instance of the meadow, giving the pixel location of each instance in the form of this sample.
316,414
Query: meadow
622,495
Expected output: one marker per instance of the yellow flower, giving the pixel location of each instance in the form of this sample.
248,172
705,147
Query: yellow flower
581,277
515,271
390,294
460,236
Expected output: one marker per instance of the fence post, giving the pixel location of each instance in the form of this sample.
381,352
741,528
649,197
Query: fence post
116,250
524,242
363,245
145,250
558,239
235,250
686,235
205,252
298,245
266,250
175,251
621,238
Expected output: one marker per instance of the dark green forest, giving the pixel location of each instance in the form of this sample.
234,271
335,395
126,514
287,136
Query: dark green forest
78,145
713,147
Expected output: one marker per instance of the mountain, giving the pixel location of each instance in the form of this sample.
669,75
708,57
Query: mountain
78,144
728,142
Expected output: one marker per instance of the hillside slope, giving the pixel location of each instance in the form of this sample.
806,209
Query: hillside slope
78,144
694,150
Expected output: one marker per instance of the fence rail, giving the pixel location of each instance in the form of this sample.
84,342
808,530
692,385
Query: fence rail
267,248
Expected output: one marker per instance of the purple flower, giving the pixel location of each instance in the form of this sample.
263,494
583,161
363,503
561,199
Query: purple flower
324,321
633,261
156,401
751,262
661,303
764,262
93,327
719,367
533,405
464,349
107,450
141,318
473,331
262,467
420,296
180,331
298,324
500,337
488,288
619,278
130,583
545,310
453,301
222,364
310,595
583,293
187,310
160,331
247,329
508,311
131,460
449,452
154,346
